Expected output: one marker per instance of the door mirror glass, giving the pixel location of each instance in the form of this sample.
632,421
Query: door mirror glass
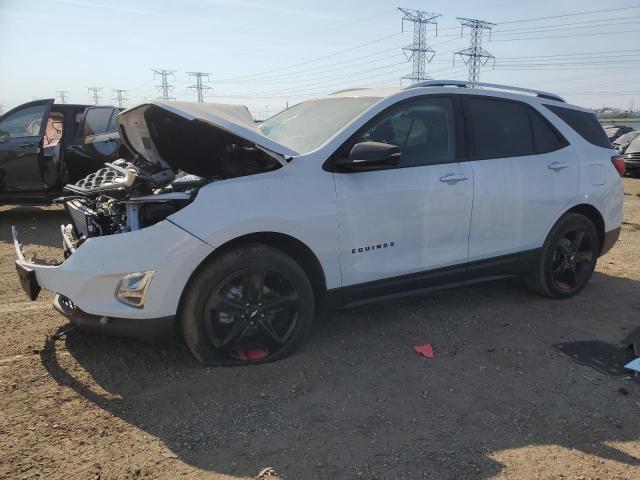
371,155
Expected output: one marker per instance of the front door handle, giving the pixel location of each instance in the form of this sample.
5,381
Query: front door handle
452,178
557,166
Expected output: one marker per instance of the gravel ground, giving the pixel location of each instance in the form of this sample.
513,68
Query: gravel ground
497,401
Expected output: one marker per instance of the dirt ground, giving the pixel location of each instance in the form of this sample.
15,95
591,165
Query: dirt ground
497,401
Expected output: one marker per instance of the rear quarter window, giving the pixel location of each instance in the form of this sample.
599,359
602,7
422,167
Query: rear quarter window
545,137
584,123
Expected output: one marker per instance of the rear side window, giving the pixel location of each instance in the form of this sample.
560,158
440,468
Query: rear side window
499,128
545,138
586,124
96,121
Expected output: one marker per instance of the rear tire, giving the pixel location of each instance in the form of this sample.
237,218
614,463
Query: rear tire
567,259
250,305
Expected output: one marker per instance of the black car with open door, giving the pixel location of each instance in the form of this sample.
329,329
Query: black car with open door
44,146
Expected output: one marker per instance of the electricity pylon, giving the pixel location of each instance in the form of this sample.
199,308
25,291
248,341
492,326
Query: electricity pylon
419,52
475,56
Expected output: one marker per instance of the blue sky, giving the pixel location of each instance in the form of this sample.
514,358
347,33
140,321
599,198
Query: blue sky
264,54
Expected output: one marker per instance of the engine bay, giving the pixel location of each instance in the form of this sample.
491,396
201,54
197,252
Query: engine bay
125,196
175,154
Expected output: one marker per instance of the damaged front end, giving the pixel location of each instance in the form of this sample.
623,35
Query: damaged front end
122,260
178,148
123,197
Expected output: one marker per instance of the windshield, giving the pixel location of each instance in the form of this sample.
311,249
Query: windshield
627,137
309,124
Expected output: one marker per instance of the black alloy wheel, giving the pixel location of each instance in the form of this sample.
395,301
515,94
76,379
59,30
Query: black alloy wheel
573,259
568,257
248,305
251,315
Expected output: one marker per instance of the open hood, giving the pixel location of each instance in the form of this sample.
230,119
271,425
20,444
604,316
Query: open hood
194,137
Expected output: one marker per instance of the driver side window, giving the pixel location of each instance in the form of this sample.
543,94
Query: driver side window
23,123
424,129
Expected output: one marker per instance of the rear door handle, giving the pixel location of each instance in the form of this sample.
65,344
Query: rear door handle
26,145
557,166
453,178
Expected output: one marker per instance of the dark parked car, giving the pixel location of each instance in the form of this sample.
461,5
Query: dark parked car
622,142
632,158
45,146
615,131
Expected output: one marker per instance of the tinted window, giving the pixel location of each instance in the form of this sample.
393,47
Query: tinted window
112,123
586,124
96,121
23,123
423,129
499,128
545,137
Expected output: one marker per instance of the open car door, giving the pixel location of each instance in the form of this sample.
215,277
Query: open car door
21,132
96,143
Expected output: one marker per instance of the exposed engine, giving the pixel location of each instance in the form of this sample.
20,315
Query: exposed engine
123,197
166,140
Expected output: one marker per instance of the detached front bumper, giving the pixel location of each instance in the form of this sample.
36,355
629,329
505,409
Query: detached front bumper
90,276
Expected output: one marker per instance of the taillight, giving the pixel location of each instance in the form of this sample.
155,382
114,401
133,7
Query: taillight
618,162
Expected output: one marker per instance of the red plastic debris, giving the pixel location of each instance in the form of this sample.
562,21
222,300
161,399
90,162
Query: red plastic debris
424,350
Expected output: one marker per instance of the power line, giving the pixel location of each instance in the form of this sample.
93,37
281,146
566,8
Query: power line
286,76
621,52
569,15
507,33
164,88
520,29
120,97
338,78
199,88
95,92
63,95
419,52
313,60
614,32
475,56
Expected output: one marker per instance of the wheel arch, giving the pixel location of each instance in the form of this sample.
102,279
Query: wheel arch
593,214
290,246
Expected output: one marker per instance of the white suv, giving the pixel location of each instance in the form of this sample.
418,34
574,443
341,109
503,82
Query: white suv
236,234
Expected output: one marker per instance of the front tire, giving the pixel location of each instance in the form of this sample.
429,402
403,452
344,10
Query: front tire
568,258
250,305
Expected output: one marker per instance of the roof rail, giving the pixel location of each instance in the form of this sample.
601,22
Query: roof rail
494,86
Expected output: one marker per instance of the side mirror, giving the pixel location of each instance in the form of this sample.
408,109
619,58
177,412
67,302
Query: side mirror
370,155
